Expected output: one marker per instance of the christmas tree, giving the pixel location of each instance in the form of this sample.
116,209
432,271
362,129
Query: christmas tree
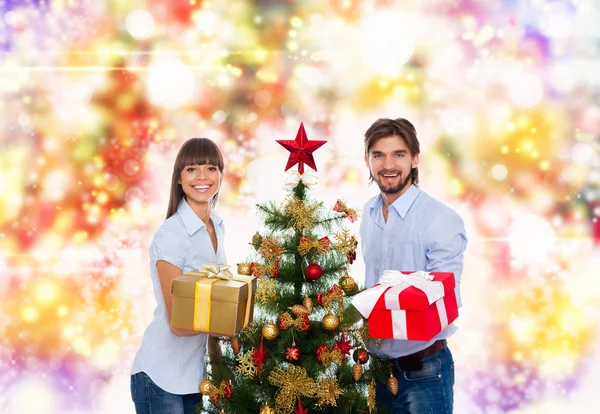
306,350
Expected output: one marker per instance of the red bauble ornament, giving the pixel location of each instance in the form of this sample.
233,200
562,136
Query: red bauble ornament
320,351
276,271
292,354
361,355
314,271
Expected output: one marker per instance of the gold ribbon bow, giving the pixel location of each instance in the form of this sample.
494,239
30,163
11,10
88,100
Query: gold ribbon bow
259,270
301,322
292,382
213,271
342,208
321,245
333,356
335,294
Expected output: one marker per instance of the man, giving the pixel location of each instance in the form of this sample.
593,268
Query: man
403,228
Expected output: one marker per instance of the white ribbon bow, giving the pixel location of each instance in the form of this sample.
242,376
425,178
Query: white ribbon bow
292,179
392,283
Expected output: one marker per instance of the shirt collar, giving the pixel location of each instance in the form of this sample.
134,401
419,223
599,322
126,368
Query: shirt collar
403,203
191,221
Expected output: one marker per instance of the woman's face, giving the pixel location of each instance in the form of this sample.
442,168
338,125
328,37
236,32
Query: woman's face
200,183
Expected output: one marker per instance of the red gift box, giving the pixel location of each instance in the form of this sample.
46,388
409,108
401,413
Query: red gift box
411,307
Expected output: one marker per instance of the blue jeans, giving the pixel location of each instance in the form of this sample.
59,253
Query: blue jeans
149,398
426,391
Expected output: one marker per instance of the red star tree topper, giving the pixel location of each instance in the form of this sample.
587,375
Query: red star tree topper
301,150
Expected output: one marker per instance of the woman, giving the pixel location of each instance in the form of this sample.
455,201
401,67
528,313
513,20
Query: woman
169,365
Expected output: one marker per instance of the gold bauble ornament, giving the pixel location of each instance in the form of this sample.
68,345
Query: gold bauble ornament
330,321
267,409
244,269
270,331
347,284
206,387
236,345
357,371
392,385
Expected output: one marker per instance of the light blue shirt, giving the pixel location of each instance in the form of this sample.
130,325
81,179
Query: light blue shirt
176,363
421,233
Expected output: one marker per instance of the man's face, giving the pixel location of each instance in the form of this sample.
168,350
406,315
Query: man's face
390,163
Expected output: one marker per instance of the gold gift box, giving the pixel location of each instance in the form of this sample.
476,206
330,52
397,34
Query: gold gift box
212,305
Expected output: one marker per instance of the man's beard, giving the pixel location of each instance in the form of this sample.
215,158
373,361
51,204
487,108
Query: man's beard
396,188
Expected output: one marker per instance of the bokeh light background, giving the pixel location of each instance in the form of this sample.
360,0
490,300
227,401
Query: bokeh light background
97,96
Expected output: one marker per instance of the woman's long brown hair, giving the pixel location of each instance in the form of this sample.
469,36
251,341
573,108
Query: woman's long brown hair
195,151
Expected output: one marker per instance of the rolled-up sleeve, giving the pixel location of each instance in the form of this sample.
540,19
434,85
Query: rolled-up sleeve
445,244
168,247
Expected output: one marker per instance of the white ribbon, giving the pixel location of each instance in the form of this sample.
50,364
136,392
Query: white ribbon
292,179
365,301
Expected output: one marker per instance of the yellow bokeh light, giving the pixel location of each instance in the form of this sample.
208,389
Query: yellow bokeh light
455,187
81,346
260,55
527,145
62,310
296,22
352,176
102,197
30,314
46,292
522,328
237,72
68,332
266,76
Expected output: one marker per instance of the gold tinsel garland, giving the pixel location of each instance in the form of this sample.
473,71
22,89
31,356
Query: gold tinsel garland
328,390
266,291
371,396
271,249
292,382
303,214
